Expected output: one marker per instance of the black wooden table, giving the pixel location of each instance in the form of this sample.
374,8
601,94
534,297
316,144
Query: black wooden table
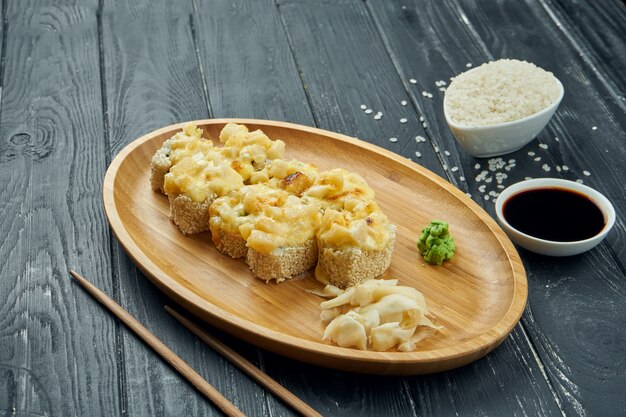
82,79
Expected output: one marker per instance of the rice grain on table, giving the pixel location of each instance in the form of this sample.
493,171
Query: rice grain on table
500,91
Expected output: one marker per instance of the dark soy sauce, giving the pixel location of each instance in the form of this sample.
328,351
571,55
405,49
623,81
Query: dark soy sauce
556,214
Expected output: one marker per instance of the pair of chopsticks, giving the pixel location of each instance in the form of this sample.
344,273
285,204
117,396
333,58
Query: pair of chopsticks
187,371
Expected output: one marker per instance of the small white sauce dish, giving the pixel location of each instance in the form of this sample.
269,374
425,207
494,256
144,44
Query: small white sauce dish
548,247
502,138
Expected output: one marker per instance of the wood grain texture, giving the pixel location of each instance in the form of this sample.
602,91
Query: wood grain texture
159,347
585,377
589,101
53,155
596,30
347,44
494,30
152,79
245,75
51,160
478,298
344,64
254,372
248,67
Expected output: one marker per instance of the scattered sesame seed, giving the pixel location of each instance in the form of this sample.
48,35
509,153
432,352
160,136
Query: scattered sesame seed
403,102
468,65
363,107
501,187
418,154
425,93
477,166
442,88
445,167
368,111
403,120
436,149
537,159
579,181
377,117
454,169
488,180
495,164
594,128
556,139
482,188
558,168
469,195
565,168
421,118
413,81
424,125
486,197
545,167
393,140
531,153
419,139
461,178
446,153
543,146
586,173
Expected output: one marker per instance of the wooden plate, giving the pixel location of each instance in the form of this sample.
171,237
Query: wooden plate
478,296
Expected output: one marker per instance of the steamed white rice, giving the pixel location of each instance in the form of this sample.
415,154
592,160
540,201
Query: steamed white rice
500,91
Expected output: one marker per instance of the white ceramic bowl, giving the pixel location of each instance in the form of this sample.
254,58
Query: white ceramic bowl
548,247
502,138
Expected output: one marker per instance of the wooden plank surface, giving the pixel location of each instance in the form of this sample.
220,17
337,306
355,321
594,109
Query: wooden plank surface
352,55
57,349
152,79
79,81
502,30
595,30
343,64
248,67
587,378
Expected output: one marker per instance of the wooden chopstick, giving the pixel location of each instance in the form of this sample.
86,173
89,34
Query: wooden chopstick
166,353
246,366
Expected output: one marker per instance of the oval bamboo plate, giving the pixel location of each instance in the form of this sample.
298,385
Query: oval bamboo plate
478,296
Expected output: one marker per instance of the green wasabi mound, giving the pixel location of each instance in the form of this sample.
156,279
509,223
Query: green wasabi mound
435,243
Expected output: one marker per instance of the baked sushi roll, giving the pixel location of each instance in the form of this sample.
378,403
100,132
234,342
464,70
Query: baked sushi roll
332,188
226,215
192,185
283,262
230,212
281,238
355,244
248,152
272,228
293,176
183,144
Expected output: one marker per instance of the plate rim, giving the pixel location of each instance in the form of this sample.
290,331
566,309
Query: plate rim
277,341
